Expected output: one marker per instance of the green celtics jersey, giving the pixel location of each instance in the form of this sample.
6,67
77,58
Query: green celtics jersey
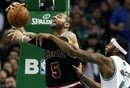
121,77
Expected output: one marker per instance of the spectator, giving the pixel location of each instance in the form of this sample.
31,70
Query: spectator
13,55
98,17
5,44
3,76
10,82
15,47
8,67
120,21
94,42
14,64
113,3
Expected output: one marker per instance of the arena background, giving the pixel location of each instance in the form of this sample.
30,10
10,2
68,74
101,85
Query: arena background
94,24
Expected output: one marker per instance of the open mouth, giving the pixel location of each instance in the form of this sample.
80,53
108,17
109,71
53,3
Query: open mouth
53,23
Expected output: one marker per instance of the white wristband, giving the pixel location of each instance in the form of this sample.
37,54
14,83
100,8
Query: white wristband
23,38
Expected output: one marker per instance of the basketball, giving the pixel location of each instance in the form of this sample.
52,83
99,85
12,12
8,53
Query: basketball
18,16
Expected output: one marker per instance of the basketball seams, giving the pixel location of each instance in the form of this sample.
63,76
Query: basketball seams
26,17
16,16
11,18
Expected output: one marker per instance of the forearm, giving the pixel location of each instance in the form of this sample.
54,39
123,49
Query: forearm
62,44
115,27
89,82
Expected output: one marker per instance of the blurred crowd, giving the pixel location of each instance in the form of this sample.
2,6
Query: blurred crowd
94,23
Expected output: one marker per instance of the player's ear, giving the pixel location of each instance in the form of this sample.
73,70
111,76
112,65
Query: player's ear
116,50
66,25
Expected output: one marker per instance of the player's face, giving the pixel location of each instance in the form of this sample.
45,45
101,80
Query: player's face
109,49
58,21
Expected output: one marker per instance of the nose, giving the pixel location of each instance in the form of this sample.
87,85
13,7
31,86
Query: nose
106,46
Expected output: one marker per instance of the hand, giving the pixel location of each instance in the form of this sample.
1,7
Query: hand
15,35
40,36
15,4
22,30
78,70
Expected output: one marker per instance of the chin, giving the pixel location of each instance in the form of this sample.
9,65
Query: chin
53,27
108,54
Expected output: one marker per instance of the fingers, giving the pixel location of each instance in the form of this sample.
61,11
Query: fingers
23,4
15,4
40,40
78,68
36,40
12,38
13,27
10,35
80,65
75,67
8,8
10,31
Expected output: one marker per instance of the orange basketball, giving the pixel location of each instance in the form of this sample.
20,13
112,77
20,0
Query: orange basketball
18,16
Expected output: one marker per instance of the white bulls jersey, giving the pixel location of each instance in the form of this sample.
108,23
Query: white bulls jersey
121,77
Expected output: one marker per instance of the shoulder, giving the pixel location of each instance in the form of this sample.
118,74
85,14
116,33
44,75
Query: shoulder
71,37
68,34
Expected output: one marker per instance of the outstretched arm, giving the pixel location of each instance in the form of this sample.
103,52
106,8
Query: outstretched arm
104,63
75,51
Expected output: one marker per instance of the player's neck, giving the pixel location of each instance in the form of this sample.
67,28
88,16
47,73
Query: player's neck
58,33
120,55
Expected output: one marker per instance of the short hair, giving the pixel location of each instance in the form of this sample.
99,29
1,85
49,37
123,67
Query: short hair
123,43
69,20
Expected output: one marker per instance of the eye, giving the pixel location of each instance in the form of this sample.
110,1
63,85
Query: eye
59,16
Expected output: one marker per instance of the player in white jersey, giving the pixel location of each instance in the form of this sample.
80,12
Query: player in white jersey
114,70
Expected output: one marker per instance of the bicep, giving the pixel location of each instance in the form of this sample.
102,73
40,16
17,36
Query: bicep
91,57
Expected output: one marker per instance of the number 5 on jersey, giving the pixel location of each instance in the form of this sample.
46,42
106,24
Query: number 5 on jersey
56,73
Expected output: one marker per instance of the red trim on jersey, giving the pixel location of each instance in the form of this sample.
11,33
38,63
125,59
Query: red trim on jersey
74,84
